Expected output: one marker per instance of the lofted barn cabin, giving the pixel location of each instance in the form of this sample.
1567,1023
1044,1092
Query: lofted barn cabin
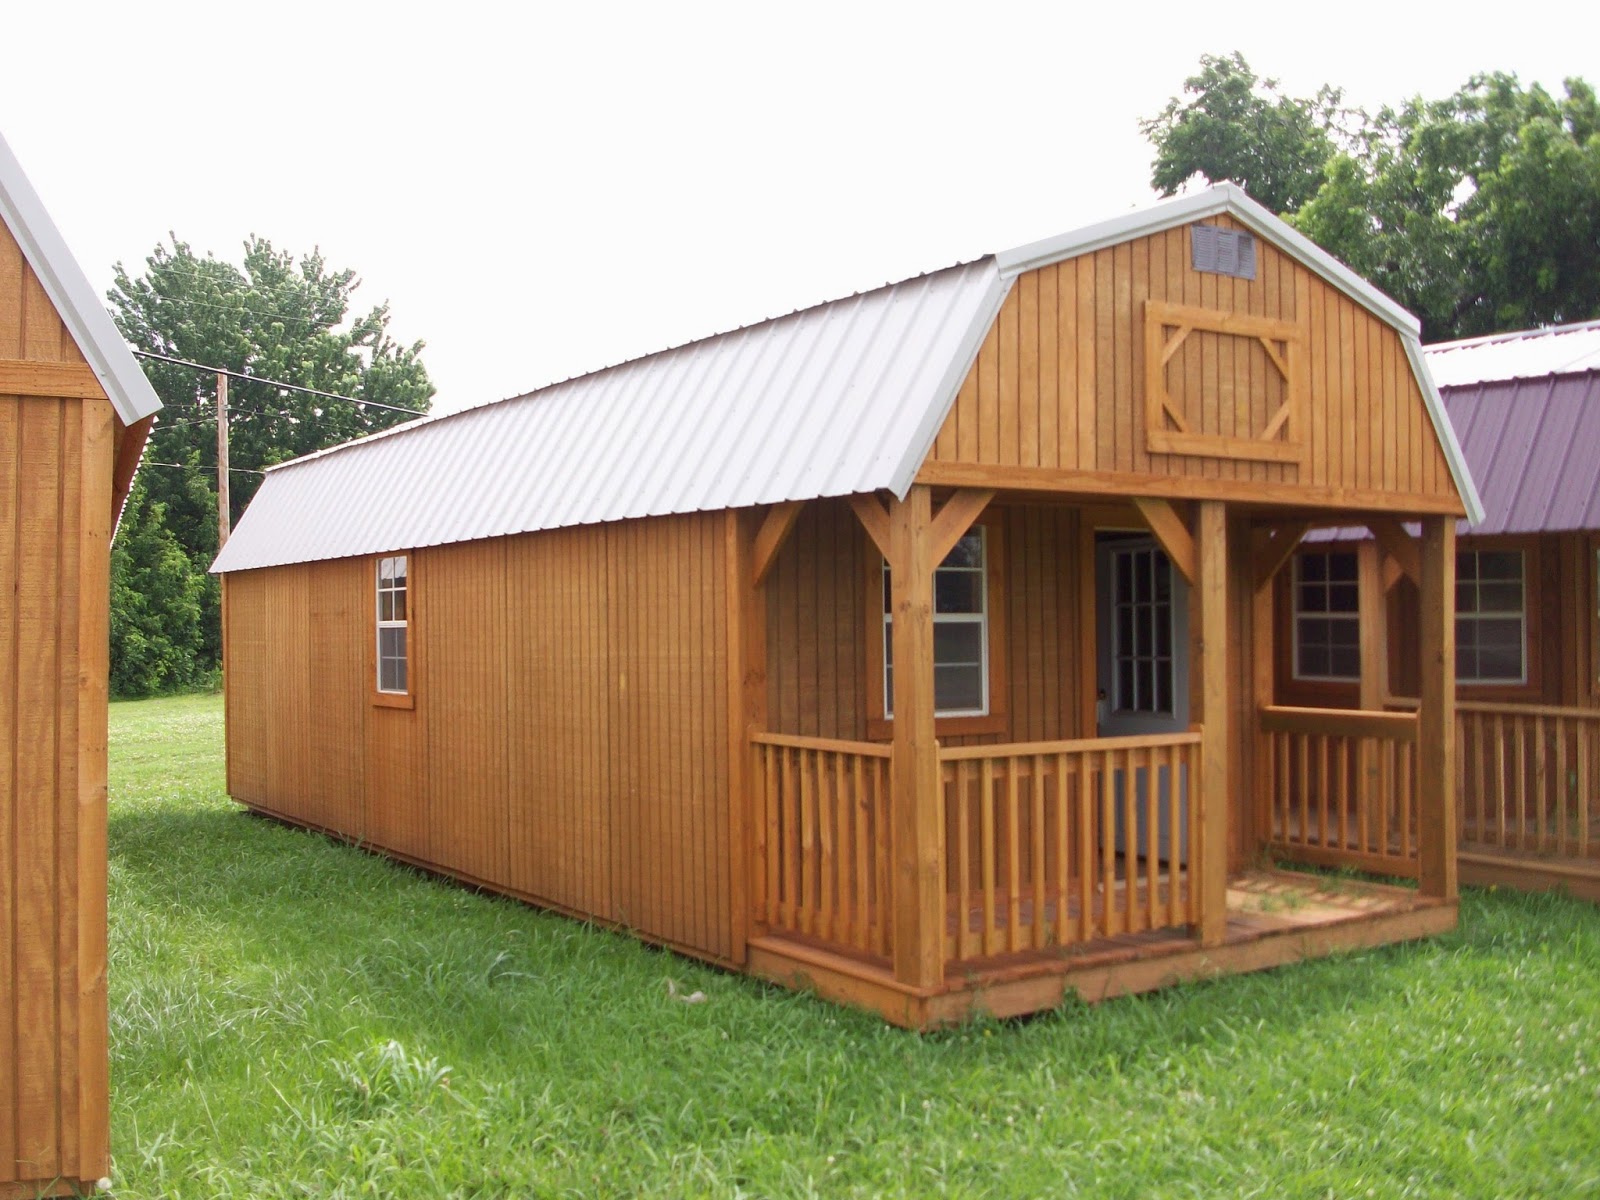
74,413
1526,407
915,648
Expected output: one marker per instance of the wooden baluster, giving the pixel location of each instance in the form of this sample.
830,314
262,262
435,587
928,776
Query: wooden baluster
1560,833
1521,748
1083,767
1502,785
964,940
1108,843
1177,816
1322,792
1152,848
1130,839
1362,791
808,842
1303,758
986,851
1196,755
1541,781
883,843
1037,842
1584,751
1063,811
1013,938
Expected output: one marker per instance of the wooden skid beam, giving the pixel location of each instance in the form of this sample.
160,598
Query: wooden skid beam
774,531
1170,531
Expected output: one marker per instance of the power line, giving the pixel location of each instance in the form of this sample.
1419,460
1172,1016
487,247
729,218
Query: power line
198,467
290,387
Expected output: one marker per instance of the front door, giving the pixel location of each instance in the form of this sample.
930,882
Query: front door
1142,618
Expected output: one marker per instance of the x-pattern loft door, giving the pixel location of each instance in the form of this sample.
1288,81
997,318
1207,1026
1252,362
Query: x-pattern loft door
1144,626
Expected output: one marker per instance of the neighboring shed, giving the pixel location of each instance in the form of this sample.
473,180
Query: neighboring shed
1526,407
630,646
74,411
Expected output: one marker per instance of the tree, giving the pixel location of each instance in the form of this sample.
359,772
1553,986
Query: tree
276,318
1241,128
156,596
1479,212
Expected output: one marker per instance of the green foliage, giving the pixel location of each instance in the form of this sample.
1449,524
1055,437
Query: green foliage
156,601
292,1017
1479,212
1238,127
276,318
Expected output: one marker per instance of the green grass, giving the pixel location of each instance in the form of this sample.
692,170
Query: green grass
295,1018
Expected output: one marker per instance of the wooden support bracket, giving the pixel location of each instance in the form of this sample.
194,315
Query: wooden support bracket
1170,531
1274,546
1398,545
774,531
874,519
954,518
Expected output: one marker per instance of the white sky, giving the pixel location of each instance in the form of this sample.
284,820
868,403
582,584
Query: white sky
547,188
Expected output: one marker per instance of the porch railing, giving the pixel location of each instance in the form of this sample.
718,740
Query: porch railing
1528,774
822,840
1055,843
1340,787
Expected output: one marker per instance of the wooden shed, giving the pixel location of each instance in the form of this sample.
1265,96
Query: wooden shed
74,411
915,647
1526,407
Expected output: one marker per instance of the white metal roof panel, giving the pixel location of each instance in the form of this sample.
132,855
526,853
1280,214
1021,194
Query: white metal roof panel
69,290
1525,354
842,398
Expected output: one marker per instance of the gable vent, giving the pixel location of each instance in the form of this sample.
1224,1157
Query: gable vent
1220,251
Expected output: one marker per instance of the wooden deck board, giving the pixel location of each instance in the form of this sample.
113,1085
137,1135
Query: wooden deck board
1274,917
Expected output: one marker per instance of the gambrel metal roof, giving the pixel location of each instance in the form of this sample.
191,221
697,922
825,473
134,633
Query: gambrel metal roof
69,290
843,398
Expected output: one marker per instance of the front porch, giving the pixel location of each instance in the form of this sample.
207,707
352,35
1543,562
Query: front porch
1080,865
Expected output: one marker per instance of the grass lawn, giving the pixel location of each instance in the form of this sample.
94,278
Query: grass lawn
294,1018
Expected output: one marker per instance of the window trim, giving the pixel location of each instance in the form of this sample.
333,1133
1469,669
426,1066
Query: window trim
880,725
382,698
1295,614
1529,680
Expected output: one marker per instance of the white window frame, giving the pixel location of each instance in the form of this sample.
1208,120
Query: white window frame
979,618
1352,615
1475,614
398,584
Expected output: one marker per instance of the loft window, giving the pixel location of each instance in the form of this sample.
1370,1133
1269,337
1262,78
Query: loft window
960,632
1491,617
1327,616
392,626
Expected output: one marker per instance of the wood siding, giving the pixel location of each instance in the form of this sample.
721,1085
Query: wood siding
820,615
1059,384
568,740
55,516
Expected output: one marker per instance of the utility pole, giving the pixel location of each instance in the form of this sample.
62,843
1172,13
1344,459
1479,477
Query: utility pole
222,461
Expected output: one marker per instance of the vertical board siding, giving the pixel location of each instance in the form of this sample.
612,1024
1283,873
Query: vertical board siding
821,598
568,740
1059,380
46,549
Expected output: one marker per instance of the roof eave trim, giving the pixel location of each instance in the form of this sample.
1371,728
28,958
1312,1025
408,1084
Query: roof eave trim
1219,198
68,289
920,444
1445,430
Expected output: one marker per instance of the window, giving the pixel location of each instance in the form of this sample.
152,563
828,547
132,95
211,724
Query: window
1327,616
1491,615
1143,670
960,632
392,625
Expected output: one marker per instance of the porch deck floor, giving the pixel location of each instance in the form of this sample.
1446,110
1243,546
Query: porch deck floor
1273,917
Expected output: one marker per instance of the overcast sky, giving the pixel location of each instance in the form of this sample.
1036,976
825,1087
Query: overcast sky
542,189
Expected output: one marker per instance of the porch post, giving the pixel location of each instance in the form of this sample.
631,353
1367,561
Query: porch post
1373,625
1436,720
1216,747
746,700
918,889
